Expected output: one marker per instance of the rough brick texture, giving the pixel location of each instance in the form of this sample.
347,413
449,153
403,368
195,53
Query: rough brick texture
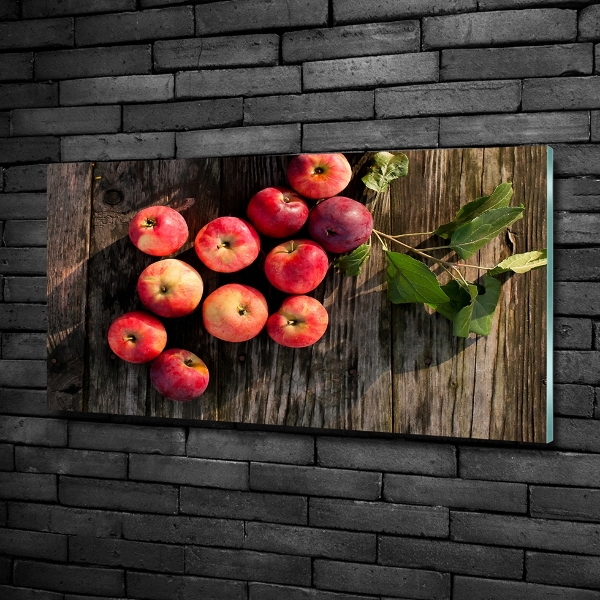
93,506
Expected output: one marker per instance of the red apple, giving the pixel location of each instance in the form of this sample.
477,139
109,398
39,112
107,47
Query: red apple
319,175
170,288
300,322
179,375
277,212
340,224
158,230
235,312
297,266
227,244
137,337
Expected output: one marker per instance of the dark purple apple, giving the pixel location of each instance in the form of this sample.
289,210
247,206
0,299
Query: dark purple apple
340,224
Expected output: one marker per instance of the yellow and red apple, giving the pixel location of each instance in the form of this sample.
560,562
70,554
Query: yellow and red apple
277,212
300,322
179,375
319,176
158,230
137,337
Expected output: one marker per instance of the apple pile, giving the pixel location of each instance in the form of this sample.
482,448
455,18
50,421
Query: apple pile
234,312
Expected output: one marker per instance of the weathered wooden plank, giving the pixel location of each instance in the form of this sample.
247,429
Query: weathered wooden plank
69,201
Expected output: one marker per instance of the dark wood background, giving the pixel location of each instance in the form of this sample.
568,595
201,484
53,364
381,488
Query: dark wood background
378,368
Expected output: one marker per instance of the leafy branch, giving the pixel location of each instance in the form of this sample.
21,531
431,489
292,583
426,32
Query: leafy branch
469,305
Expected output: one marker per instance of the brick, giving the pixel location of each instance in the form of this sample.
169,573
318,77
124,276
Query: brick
530,466
66,520
577,367
353,40
354,11
28,178
46,33
94,62
184,530
597,58
525,532
468,559
595,126
135,26
112,90
127,438
24,402
589,23
199,114
576,159
22,206
577,434
269,591
251,506
22,373
371,71
577,194
23,317
371,579
315,481
163,587
223,51
25,289
52,8
267,139
9,9
7,462
371,135
123,553
190,471
118,146
526,128
29,149
564,93
574,400
64,121
504,27
310,541
565,503
560,569
25,233
69,578
118,495
16,66
32,544
241,15
110,465
28,95
26,430
387,455
379,517
27,486
517,62
455,493
251,445
24,345
14,593
572,333
247,564
576,265
470,588
5,570
4,124
496,4
448,98
238,82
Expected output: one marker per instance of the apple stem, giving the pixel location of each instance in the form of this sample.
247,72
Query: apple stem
291,322
188,362
130,338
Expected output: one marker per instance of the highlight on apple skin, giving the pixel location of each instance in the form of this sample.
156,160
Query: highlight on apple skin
179,375
137,337
158,230
296,266
301,321
235,312
319,176
170,288
227,244
340,224
277,212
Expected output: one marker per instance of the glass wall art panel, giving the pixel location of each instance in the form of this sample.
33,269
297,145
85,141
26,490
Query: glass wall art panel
401,291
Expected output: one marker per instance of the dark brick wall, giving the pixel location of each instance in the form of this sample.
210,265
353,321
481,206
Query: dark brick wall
94,506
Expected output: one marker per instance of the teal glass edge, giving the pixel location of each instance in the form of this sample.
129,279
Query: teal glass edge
550,301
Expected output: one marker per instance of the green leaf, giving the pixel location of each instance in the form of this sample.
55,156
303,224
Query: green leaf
351,264
521,263
484,306
411,281
499,198
384,168
468,238
459,298
462,321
